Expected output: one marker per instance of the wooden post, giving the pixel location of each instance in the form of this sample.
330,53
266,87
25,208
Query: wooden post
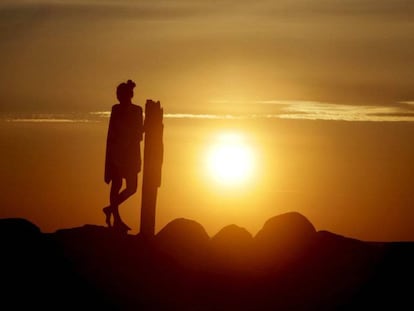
153,157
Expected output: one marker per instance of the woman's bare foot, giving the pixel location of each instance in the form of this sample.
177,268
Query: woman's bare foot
107,211
120,226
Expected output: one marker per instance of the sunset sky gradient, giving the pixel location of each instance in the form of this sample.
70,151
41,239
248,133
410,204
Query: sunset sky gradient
322,90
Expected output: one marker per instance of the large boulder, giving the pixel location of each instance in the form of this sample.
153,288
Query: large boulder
183,240
17,228
232,236
19,238
284,237
232,247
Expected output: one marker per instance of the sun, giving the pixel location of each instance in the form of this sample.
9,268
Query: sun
230,160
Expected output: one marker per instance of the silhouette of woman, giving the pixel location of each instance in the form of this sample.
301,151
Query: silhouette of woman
123,154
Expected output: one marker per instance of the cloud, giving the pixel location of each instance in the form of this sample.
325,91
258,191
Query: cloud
282,109
260,12
21,18
407,104
324,50
137,10
396,9
178,9
315,110
48,118
338,112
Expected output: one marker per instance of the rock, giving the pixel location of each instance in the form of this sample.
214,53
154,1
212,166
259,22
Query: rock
183,239
17,226
232,248
285,236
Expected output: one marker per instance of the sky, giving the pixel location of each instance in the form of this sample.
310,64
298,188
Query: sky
322,90
66,55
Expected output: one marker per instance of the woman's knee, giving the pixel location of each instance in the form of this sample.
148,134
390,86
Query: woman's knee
131,190
131,186
116,185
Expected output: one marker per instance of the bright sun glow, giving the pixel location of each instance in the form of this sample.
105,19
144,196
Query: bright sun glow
230,160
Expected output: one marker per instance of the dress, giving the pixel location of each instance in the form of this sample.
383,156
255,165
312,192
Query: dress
123,153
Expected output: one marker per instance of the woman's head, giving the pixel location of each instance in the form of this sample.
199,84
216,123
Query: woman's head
125,91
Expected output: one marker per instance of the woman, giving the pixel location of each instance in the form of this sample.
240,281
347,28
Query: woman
123,154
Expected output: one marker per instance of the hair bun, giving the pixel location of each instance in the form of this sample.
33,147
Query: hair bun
131,83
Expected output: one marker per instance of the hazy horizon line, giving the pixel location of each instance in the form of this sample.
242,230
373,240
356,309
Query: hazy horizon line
279,109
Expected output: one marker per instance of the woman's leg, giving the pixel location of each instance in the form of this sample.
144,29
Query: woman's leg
114,194
131,188
116,185
113,197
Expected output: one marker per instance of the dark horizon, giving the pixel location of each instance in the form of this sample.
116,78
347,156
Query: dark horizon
287,265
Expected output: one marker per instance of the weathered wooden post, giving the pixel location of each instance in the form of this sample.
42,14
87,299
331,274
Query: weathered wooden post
153,157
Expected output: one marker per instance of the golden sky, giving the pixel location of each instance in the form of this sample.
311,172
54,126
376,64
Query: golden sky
66,55
322,90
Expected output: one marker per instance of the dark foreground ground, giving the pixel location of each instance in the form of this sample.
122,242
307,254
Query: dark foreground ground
286,266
